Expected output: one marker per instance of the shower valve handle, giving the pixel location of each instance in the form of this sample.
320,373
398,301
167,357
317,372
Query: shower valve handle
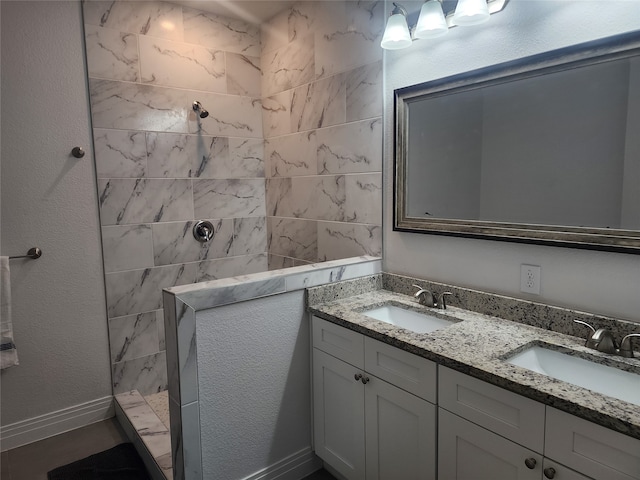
203,231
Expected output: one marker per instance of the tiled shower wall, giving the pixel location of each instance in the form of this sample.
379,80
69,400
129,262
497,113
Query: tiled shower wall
160,167
318,72
322,110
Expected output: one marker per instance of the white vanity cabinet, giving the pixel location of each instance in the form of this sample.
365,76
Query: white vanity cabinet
365,426
375,417
486,432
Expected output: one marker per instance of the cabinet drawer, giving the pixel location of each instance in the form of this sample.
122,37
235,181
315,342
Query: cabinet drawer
410,372
508,414
591,449
338,341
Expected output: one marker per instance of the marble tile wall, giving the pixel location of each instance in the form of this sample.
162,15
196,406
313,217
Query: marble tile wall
322,122
287,166
160,167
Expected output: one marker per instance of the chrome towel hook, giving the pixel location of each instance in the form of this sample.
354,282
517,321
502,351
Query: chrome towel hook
78,152
33,253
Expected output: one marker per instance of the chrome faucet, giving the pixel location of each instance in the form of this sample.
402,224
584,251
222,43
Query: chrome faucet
602,340
626,349
429,299
425,297
440,300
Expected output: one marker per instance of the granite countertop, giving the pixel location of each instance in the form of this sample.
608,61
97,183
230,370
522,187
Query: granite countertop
478,344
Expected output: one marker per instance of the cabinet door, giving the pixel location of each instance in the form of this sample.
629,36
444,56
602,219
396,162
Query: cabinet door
400,434
555,471
469,452
593,449
338,415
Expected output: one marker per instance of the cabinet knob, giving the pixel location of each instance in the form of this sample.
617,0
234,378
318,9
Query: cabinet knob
549,472
530,463
358,376
364,380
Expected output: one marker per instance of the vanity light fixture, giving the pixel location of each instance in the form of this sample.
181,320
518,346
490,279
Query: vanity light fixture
471,12
433,22
396,34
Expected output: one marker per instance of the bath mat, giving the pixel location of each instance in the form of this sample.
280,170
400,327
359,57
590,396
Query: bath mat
121,462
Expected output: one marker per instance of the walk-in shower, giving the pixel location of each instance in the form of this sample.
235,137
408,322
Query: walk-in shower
169,168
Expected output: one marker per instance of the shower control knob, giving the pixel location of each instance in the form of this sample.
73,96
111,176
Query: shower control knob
78,152
203,231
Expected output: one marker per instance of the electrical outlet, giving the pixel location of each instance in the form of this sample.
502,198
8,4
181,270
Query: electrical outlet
530,279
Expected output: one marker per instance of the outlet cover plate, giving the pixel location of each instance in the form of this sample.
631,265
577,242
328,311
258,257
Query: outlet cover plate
530,279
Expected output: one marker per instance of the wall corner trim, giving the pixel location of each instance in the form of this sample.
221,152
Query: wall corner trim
54,423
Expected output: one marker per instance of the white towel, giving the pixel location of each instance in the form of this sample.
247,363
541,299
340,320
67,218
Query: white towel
8,352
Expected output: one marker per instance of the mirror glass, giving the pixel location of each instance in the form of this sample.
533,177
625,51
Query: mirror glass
544,150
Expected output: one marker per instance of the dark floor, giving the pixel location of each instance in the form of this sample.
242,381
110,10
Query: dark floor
33,461
319,475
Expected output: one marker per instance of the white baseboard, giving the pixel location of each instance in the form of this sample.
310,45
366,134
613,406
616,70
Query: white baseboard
54,423
293,467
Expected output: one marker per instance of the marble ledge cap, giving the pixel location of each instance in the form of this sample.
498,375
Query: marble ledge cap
228,290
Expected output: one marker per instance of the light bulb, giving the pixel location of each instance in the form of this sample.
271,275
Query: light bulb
471,12
431,22
396,35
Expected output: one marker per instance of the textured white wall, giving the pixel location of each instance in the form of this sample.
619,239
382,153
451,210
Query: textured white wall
254,387
49,200
607,283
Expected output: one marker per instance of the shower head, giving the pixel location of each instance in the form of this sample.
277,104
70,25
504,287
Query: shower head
199,109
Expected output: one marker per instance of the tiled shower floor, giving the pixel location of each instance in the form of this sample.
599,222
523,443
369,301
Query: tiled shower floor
159,403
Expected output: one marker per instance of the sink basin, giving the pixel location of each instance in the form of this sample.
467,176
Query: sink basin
600,378
408,319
